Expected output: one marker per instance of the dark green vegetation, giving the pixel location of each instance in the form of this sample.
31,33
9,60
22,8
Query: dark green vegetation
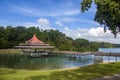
107,14
117,45
82,73
11,36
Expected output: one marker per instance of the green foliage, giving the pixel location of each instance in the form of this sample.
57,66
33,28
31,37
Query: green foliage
107,14
12,36
117,45
83,45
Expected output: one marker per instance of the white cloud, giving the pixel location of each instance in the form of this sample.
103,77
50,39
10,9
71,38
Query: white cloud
71,33
68,19
30,11
99,32
44,22
93,34
58,23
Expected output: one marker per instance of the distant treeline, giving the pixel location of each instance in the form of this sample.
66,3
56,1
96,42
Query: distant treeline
117,45
12,36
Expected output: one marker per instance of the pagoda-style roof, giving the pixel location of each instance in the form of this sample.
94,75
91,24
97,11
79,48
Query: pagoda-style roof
34,42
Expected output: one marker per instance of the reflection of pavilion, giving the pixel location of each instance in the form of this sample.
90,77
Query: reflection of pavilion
35,47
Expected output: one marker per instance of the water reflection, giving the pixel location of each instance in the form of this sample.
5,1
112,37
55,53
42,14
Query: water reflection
97,59
50,62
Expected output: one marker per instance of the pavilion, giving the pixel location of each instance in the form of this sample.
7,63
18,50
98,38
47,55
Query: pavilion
35,47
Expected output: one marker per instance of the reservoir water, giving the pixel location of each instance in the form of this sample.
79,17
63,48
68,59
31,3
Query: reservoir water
54,62
113,50
43,63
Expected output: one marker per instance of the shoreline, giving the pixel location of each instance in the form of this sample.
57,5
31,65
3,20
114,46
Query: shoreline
64,69
80,73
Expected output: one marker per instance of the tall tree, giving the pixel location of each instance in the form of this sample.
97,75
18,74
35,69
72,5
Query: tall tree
107,14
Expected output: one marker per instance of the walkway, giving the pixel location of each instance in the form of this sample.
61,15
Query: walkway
114,77
87,53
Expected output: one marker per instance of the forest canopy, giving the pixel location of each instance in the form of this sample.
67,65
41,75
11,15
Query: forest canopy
12,36
107,14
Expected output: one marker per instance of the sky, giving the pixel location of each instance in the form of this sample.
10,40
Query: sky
62,15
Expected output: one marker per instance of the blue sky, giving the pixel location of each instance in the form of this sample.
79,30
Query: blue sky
63,15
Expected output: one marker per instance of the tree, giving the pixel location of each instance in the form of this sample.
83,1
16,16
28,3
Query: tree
81,44
107,14
12,36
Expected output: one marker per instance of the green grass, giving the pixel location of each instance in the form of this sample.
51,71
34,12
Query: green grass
83,73
10,51
13,74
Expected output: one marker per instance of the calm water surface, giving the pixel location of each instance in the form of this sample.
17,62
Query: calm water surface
110,59
113,50
43,63
54,62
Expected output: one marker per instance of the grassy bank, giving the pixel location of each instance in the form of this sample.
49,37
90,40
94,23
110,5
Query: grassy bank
82,73
10,51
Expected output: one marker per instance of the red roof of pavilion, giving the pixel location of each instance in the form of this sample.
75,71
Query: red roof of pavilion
34,40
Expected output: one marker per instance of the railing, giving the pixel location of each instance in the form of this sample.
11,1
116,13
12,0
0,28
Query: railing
87,53
106,54
71,52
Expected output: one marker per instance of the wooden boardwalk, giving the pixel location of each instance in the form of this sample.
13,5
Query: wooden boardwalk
87,53
71,52
98,56
106,54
